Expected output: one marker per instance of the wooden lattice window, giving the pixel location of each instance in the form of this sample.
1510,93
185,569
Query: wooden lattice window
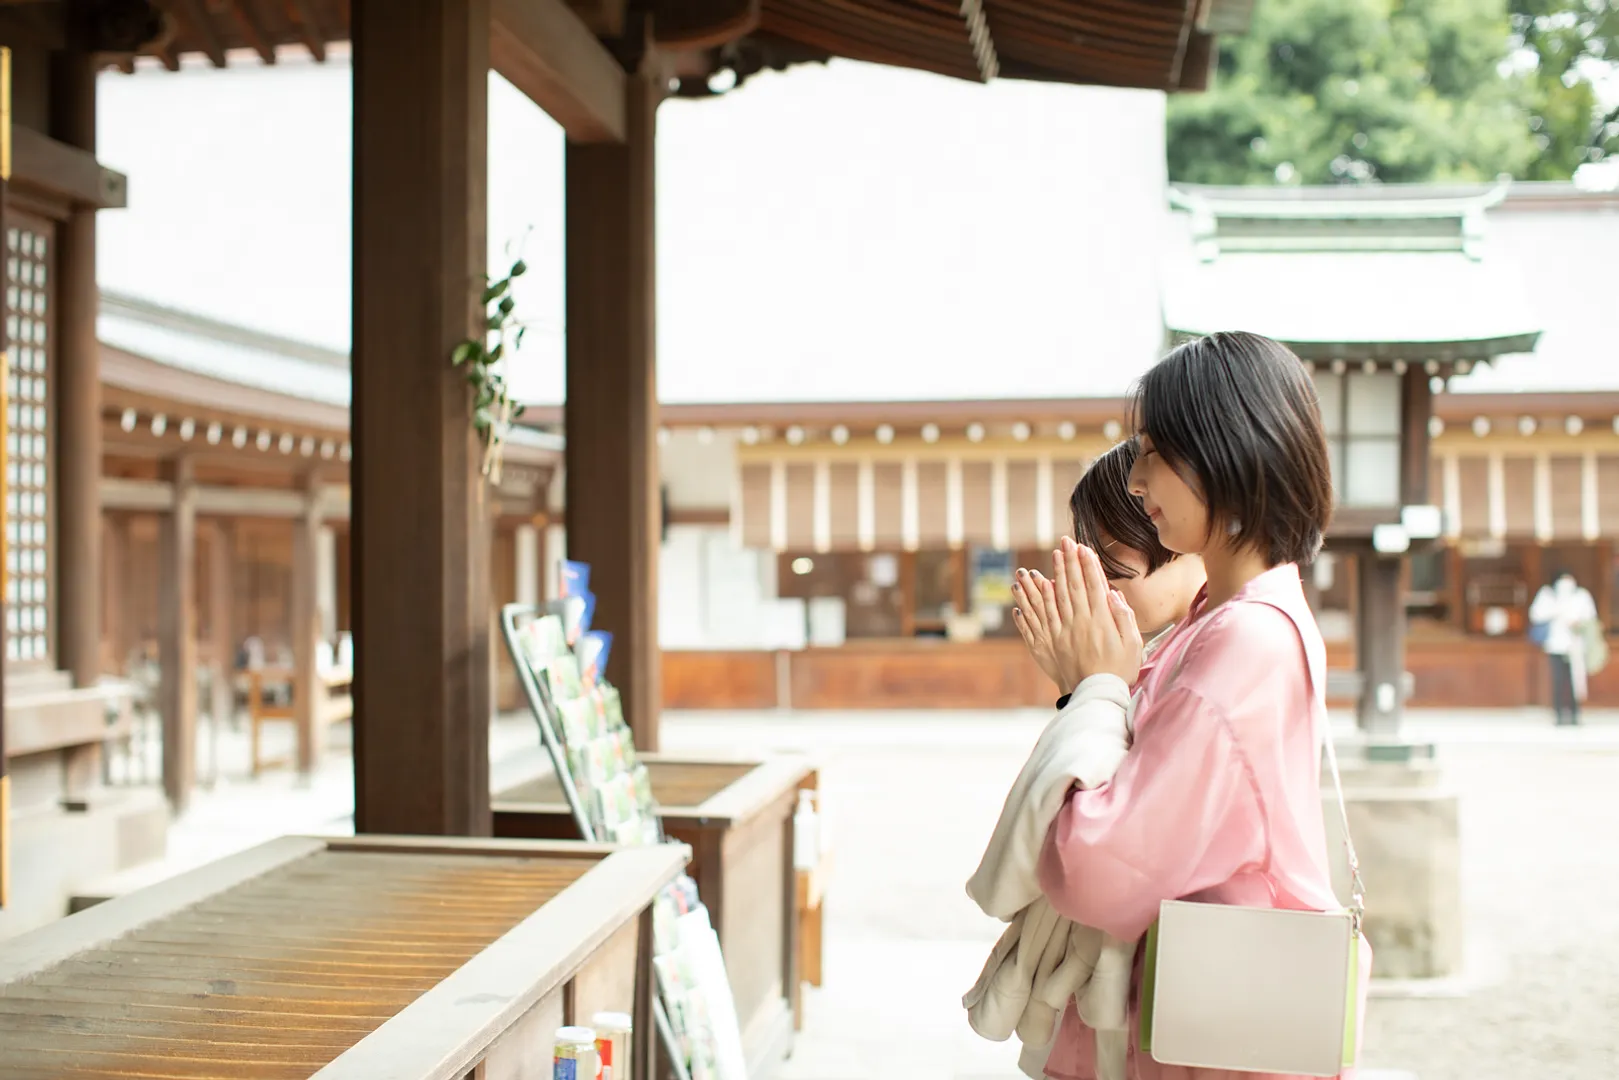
29,255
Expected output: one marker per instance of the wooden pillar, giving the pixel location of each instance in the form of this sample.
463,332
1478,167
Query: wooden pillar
1380,642
115,614
77,377
5,487
177,635
419,524
526,554
1416,407
542,557
326,581
221,603
307,693
611,410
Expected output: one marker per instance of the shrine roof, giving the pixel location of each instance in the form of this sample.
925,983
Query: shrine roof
1149,44
1379,273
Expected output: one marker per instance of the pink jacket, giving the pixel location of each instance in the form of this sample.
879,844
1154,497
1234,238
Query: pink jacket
1219,799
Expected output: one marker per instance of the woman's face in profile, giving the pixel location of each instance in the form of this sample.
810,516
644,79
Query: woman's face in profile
1155,598
1175,507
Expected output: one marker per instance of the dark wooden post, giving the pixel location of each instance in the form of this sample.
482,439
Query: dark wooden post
1380,619
1416,408
611,413
1380,641
77,375
5,435
307,693
177,634
420,534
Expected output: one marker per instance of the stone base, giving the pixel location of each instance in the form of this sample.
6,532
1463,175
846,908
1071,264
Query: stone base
1405,823
55,850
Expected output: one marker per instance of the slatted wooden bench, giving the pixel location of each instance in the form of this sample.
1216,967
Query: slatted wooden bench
353,959
737,816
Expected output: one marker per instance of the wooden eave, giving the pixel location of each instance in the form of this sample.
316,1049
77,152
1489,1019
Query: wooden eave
1150,44
1592,406
1446,353
133,381
130,381
858,414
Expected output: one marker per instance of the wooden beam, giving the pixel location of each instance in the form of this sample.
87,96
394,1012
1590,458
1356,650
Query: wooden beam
177,635
156,496
989,64
77,374
703,24
612,401
604,17
203,26
420,533
310,30
253,30
307,691
43,162
546,51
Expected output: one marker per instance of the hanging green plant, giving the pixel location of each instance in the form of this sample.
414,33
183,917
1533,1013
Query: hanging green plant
493,408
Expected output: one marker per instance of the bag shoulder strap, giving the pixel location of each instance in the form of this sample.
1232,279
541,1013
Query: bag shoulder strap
1357,889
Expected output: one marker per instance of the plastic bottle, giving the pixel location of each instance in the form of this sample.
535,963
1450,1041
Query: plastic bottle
613,1043
806,832
574,1057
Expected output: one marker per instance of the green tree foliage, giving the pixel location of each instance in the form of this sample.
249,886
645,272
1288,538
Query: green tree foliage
1562,44
1356,91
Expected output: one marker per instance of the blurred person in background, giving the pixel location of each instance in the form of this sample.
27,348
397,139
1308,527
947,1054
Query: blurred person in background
1560,622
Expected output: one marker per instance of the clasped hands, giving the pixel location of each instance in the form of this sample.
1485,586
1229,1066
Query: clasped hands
1075,625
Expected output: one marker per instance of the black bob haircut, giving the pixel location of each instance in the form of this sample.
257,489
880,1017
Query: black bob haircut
1104,510
1237,416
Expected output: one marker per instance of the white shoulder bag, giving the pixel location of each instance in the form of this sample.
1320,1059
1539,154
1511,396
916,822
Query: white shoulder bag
1256,989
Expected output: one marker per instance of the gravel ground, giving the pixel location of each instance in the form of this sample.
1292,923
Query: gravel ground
911,799
1541,874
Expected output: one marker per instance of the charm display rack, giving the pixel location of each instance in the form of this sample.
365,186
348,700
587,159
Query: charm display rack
582,726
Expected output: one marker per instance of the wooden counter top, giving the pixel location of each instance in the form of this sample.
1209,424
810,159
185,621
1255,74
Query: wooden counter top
357,959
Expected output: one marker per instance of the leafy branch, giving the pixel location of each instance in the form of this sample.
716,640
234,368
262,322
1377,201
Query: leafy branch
493,408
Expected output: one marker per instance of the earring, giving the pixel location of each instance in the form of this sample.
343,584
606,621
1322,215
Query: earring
1233,528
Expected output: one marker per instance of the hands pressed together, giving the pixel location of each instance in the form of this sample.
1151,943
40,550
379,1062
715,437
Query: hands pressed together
1074,625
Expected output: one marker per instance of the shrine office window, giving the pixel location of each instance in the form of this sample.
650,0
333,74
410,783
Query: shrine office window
29,436
1361,412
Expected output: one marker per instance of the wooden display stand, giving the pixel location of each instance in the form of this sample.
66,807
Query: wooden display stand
737,817
414,958
335,706
811,894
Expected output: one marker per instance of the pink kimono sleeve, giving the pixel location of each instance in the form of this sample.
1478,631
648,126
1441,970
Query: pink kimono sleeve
1181,815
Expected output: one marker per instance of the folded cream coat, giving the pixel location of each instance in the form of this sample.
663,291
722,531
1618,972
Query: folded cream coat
1044,959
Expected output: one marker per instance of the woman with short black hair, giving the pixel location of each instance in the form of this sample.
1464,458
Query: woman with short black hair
1157,583
1219,798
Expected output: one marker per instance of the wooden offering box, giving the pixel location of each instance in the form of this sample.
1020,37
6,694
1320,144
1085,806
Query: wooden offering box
378,958
737,817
